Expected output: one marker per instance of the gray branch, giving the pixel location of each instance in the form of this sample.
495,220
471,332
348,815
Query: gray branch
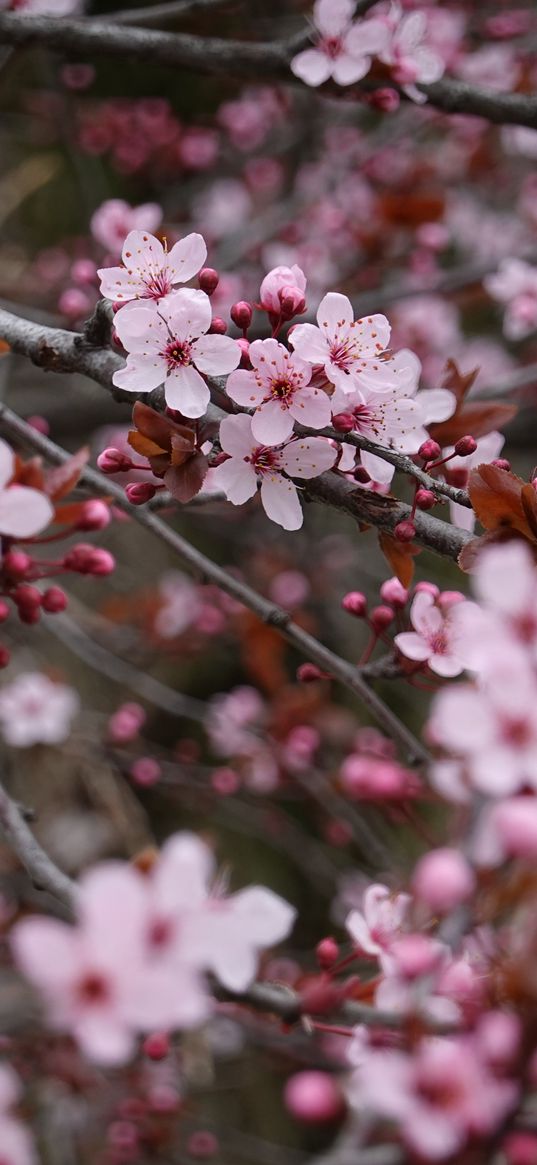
44,873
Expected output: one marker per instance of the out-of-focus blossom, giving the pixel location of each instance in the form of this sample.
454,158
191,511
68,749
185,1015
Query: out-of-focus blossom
42,7
374,928
115,219
344,49
515,284
279,390
250,463
167,344
33,710
435,637
149,271
17,1143
408,53
24,512
493,66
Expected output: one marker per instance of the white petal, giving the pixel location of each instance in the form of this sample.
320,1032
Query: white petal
141,374
272,424
187,257
7,463
216,355
312,66
308,457
186,391
237,479
236,436
24,512
280,502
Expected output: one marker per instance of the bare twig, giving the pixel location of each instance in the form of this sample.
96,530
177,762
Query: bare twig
42,870
158,15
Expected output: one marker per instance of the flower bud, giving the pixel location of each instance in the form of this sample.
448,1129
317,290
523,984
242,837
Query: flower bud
343,422
27,597
393,592
202,1144
502,463
113,461
39,423
355,603
87,559
361,475
225,781
425,499
465,446
292,302
208,280
16,563
380,618
385,99
443,879
430,450
218,327
313,1097
140,492
4,611
5,656
145,771
54,600
307,673
244,348
95,515
156,1046
241,313
405,531
327,951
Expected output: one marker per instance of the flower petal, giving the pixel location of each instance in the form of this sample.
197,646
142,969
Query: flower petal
24,512
216,355
141,373
280,502
272,424
186,391
187,257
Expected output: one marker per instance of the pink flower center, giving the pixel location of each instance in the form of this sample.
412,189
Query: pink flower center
264,460
178,353
284,389
160,933
342,354
516,732
157,284
332,46
368,421
93,988
439,644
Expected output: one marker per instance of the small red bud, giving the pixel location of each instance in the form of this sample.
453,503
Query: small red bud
327,951
361,475
54,600
113,461
465,446
380,618
208,280
425,499
405,531
307,673
95,515
241,313
140,492
355,603
29,615
320,996
156,1046
16,563
343,422
4,611
502,463
386,99
27,597
86,559
218,327
430,450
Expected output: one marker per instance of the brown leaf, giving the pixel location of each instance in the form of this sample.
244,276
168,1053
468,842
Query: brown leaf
475,417
155,426
185,481
143,445
4,347
400,556
183,447
496,496
60,481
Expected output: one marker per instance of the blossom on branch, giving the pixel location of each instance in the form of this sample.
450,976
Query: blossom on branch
249,463
168,344
407,53
279,390
515,285
34,710
150,271
436,635
344,49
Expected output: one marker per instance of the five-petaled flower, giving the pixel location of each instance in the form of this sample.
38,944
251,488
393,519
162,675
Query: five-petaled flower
279,389
343,50
150,271
345,347
436,635
249,463
167,344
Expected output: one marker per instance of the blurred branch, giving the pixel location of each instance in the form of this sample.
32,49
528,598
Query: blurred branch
240,59
42,870
158,14
274,616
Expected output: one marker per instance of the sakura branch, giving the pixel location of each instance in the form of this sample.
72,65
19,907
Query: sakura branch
44,873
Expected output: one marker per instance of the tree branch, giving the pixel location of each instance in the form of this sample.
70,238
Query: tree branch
42,870
240,59
346,673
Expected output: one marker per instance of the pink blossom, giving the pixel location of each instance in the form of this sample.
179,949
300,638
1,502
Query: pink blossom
279,390
515,284
24,512
150,271
492,66
408,54
343,49
16,1142
506,829
114,219
370,778
281,284
435,637
439,1097
249,462
167,344
33,710
374,928
179,605
346,348
442,879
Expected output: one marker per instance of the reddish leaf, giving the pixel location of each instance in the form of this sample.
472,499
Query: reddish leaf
496,496
4,347
185,481
155,426
60,481
183,447
528,498
475,417
143,445
408,209
400,556
458,382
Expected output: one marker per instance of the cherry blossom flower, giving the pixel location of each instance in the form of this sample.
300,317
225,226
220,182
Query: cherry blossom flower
374,928
506,829
115,218
396,417
346,348
33,710
343,49
250,463
24,512
439,1097
167,344
281,286
515,284
278,388
150,271
17,1144
435,637
504,582
410,58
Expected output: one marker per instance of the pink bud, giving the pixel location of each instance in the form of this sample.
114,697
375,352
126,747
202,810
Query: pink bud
502,463
447,599
361,475
343,422
313,1097
26,597
430,450
95,516
208,280
54,600
202,1144
327,951
355,603
225,781
4,611
241,313
140,492
218,327
425,499
443,879
40,424
87,559
521,1148
405,531
113,461
74,303
16,563
427,588
244,347
5,656
292,302
393,592
83,271
156,1046
465,446
415,955
386,99
307,673
380,618
145,771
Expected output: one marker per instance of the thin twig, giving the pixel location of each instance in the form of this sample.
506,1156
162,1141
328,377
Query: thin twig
42,870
